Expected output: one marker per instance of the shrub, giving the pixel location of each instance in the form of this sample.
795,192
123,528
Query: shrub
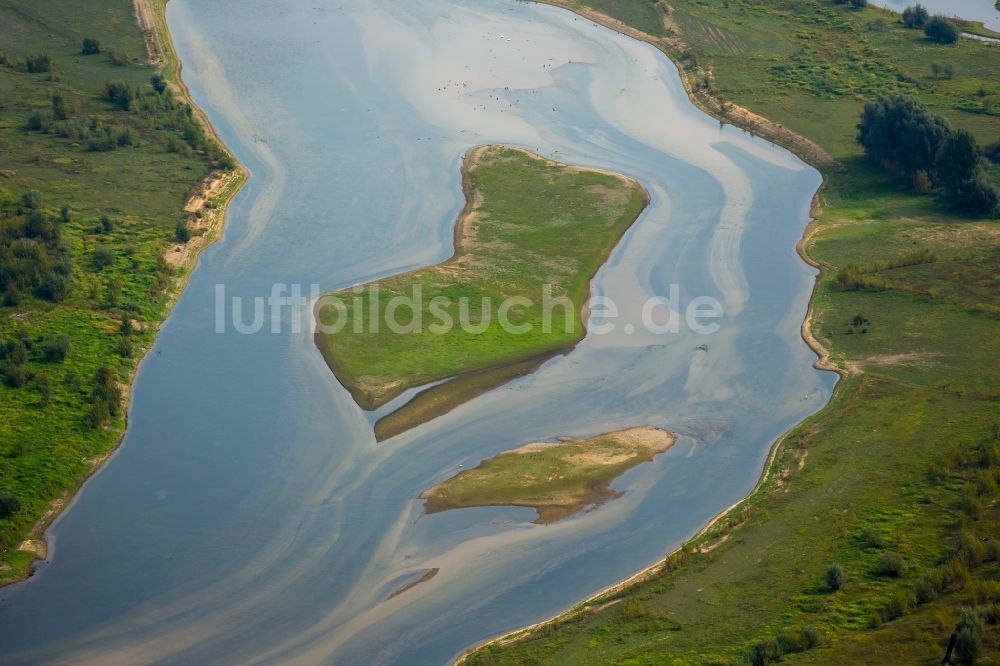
895,607
891,564
939,29
925,591
799,640
181,232
16,375
38,64
9,505
970,636
992,152
55,348
90,46
943,70
120,94
104,257
915,16
872,538
835,577
764,652
158,82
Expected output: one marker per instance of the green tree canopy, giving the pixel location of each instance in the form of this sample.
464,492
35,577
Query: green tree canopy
899,133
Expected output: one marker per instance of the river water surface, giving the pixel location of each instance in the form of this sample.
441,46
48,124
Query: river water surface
250,517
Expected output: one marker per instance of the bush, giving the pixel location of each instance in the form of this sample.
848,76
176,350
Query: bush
104,257
891,564
9,505
992,152
939,29
181,232
765,652
872,538
944,70
799,640
915,16
55,348
90,46
38,64
895,607
158,82
970,636
835,577
16,375
120,94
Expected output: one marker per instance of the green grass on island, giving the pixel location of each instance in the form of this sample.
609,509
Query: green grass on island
97,164
876,532
556,479
531,226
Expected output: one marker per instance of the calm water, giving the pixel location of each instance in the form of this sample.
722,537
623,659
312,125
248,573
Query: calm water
250,517
972,10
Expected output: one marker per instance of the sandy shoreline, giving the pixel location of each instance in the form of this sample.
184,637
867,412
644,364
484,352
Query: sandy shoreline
222,186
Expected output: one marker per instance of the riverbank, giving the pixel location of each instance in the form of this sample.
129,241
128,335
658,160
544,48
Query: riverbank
529,225
138,234
846,466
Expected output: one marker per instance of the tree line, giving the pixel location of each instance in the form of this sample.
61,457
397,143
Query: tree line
899,134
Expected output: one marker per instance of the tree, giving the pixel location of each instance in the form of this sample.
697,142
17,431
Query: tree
899,133
915,16
835,577
961,175
939,29
859,4
90,46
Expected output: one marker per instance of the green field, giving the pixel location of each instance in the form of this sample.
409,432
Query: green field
556,479
105,176
895,481
531,224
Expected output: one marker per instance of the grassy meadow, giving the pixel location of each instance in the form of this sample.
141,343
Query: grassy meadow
107,171
890,492
531,223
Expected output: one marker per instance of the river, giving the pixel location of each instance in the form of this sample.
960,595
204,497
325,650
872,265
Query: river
250,516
